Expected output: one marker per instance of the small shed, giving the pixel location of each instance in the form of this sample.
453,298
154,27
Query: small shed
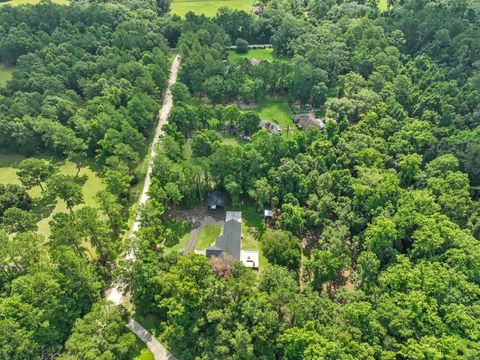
217,199
257,9
268,214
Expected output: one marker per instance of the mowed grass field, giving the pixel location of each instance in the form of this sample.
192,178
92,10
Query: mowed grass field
23,2
207,236
276,109
5,74
208,7
8,164
259,54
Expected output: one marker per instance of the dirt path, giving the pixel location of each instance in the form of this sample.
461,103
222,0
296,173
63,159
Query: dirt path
162,120
114,293
158,350
192,241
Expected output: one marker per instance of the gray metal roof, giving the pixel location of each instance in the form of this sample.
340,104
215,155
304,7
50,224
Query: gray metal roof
233,215
231,238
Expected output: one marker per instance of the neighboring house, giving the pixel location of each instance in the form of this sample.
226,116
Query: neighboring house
303,121
229,243
217,199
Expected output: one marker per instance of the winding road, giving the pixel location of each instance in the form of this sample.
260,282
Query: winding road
114,293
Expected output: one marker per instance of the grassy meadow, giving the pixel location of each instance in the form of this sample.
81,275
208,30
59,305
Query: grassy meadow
207,236
259,54
276,109
208,7
44,212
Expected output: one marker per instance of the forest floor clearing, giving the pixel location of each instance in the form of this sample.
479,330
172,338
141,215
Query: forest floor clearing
259,54
383,5
209,7
5,73
178,231
44,212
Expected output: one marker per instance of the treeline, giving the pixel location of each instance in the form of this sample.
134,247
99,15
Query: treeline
380,200
85,84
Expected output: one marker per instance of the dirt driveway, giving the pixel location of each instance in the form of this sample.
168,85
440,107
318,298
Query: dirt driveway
197,217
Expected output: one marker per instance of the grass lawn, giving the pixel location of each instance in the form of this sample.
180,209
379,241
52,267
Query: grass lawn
253,228
233,140
276,109
187,149
209,7
178,232
259,54
5,73
145,354
8,164
23,2
383,5
141,351
207,236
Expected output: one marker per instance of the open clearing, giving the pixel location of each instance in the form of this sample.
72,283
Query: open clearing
275,109
259,54
383,5
5,74
208,8
44,213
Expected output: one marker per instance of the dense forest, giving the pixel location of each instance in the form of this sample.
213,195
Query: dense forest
374,252
86,85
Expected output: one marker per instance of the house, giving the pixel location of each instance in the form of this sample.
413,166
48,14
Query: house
230,240
229,243
303,121
217,199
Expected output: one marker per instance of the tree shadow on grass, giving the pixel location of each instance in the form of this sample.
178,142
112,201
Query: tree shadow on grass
176,229
43,206
150,322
